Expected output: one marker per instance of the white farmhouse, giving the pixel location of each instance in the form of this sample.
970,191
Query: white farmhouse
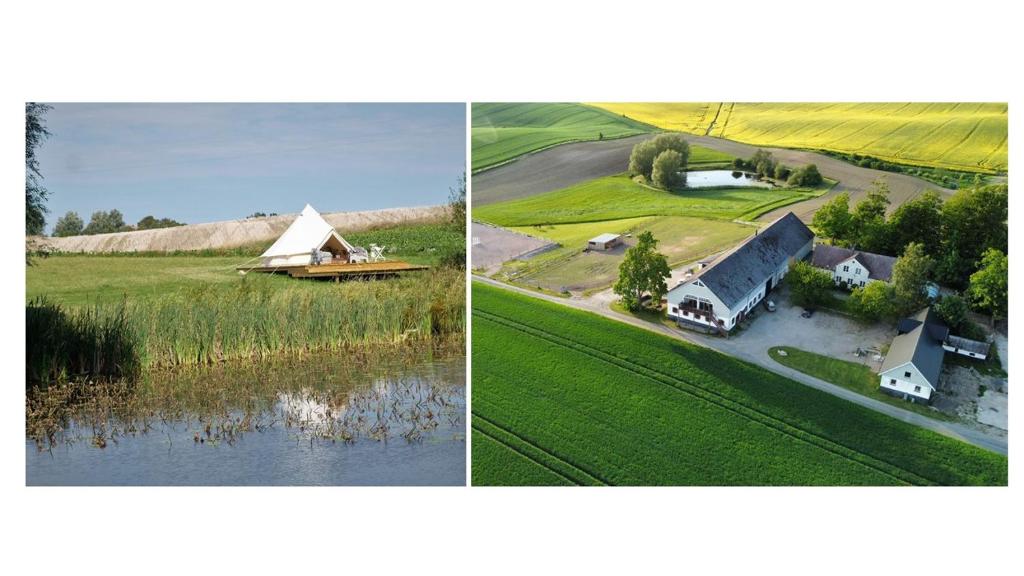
852,268
721,294
912,367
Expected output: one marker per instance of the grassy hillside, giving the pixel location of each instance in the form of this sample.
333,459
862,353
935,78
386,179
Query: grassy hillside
595,401
502,131
617,197
964,136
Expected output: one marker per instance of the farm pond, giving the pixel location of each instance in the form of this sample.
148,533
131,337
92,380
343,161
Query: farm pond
394,418
731,178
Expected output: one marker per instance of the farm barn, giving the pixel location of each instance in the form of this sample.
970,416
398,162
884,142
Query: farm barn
852,268
721,294
604,242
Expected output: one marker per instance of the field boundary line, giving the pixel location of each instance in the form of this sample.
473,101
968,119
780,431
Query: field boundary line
477,429
765,419
545,451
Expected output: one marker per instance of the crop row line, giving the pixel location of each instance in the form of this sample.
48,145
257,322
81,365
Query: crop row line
719,400
588,478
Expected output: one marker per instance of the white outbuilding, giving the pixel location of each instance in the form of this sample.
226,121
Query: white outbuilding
310,240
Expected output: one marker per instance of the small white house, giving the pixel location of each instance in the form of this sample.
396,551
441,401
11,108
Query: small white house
911,369
852,268
310,240
604,242
722,293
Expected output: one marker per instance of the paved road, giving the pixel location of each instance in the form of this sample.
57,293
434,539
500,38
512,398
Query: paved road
569,164
951,429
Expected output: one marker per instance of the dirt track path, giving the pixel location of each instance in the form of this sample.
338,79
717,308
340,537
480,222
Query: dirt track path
570,164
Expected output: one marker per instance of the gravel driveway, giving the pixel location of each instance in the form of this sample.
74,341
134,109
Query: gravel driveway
826,333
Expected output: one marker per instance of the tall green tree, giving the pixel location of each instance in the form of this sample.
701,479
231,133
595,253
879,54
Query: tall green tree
457,203
106,222
910,275
643,270
666,173
953,311
833,219
870,232
875,301
918,220
809,286
989,287
641,159
69,224
35,193
973,221
807,176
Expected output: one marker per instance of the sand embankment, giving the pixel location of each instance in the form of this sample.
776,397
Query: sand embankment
234,233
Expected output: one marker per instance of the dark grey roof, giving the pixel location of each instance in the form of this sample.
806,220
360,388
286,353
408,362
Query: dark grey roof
879,266
736,273
920,345
968,345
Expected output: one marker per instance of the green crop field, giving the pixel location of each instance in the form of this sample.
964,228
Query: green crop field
617,197
594,401
504,131
957,136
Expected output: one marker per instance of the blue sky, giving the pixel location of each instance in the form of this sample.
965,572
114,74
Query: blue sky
207,162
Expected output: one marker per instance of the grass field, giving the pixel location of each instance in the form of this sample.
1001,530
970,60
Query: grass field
594,401
681,239
503,131
618,197
117,314
957,136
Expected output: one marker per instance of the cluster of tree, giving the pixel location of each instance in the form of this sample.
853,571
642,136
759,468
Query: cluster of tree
661,160
987,290
643,270
765,165
956,234
260,215
809,286
457,220
102,222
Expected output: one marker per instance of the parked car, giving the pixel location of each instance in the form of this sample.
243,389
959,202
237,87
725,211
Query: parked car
807,313
769,305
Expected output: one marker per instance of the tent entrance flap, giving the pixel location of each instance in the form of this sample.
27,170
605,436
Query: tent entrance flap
336,247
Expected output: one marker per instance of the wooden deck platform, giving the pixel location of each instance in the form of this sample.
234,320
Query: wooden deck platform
365,269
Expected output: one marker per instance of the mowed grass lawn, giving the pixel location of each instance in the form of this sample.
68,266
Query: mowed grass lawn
617,197
959,136
503,131
681,239
850,375
594,401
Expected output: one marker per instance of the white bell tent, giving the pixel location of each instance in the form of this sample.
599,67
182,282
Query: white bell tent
309,234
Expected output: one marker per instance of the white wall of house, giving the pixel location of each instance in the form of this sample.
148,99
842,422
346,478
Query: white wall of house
963,352
852,273
696,289
906,379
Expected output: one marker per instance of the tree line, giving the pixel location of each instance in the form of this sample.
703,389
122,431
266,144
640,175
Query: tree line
956,234
102,222
765,165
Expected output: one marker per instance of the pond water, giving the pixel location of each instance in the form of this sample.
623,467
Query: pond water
323,421
711,178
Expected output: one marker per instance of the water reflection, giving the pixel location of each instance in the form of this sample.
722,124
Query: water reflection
395,418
